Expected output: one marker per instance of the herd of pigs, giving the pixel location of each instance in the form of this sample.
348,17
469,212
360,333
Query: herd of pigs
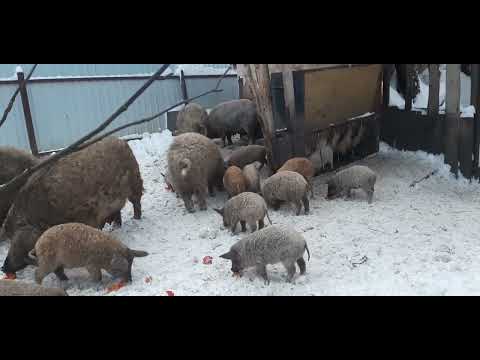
55,221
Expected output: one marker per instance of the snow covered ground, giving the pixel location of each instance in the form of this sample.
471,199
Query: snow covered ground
416,241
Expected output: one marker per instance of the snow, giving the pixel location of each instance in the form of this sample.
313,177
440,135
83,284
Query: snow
421,101
413,241
18,69
201,69
362,116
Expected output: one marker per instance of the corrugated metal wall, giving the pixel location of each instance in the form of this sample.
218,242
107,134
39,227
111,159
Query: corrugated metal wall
63,111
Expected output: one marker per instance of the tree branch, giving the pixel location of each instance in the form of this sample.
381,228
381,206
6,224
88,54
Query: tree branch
150,118
14,96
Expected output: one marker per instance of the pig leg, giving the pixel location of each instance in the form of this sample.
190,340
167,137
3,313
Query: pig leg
211,190
60,273
229,138
187,199
117,218
253,226
234,226
244,226
40,274
261,224
291,270
298,204
262,271
202,198
95,273
302,266
137,209
306,204
370,195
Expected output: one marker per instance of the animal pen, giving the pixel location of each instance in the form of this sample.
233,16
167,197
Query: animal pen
347,106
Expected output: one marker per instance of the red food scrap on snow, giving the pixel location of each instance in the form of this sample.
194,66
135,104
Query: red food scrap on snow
170,293
148,279
207,260
115,287
10,276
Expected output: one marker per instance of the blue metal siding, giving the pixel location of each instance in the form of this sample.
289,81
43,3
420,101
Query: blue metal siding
64,111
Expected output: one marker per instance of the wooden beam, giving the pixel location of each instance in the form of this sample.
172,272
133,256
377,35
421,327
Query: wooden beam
451,134
258,78
408,86
387,76
475,101
434,89
183,85
27,114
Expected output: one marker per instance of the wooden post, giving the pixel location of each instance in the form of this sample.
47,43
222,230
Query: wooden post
240,88
387,75
258,79
27,114
183,85
434,89
299,123
475,101
408,86
452,118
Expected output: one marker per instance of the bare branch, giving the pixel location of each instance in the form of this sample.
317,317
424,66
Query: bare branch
14,96
423,178
17,182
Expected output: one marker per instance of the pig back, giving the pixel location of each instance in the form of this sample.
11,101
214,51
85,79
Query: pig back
79,187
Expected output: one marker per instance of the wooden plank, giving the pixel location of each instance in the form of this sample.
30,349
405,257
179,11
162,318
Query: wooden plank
451,134
183,86
27,114
475,101
434,89
387,76
466,146
299,123
409,86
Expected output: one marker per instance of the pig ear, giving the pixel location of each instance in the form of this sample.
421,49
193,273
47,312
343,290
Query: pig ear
227,256
220,211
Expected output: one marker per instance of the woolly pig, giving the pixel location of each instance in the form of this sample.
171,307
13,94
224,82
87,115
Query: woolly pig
286,186
247,155
20,288
74,245
231,117
269,246
355,177
191,118
245,208
234,181
13,162
194,164
303,166
252,176
90,186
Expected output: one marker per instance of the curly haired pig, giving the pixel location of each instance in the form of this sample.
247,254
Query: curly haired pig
247,155
234,181
269,246
74,245
13,162
195,164
303,166
231,117
90,186
355,177
191,118
286,186
252,176
20,288
245,208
